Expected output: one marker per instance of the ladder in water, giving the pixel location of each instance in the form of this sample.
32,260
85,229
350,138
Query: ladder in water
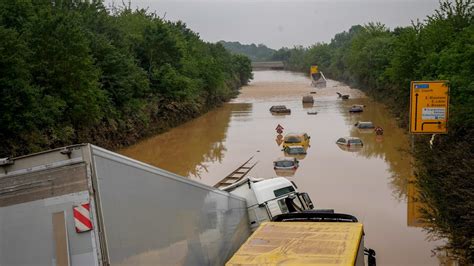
236,175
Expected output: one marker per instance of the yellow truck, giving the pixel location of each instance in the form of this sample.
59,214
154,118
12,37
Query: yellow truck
317,77
307,238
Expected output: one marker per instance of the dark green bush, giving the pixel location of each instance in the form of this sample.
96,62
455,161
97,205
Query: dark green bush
74,71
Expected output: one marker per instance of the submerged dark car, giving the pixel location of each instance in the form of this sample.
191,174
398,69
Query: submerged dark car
350,141
364,125
356,109
280,109
308,99
285,164
298,152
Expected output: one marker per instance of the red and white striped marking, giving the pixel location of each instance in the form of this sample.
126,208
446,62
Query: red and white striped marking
82,218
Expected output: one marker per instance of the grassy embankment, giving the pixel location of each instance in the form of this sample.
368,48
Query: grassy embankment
73,71
382,62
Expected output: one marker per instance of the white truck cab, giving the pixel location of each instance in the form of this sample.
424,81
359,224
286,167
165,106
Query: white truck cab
267,198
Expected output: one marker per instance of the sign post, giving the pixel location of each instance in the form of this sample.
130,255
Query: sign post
429,112
429,107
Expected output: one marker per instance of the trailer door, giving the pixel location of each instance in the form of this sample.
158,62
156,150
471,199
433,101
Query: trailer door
37,225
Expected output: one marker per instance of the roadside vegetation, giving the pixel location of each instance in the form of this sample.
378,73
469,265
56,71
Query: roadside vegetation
74,71
382,62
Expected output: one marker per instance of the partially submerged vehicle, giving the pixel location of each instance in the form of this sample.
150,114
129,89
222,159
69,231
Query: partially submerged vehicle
296,139
364,125
298,152
356,109
350,144
268,198
312,113
318,79
308,99
84,205
285,163
280,109
343,96
306,238
350,141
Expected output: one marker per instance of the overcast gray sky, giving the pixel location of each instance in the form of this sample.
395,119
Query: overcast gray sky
285,23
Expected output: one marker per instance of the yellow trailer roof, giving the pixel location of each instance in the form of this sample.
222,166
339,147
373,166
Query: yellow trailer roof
298,243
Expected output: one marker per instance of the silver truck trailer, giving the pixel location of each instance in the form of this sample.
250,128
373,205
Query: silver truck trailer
84,205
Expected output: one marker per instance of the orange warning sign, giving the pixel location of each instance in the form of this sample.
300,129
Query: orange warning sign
429,106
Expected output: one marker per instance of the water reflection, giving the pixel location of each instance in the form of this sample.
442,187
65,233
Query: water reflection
280,114
365,130
279,139
353,148
187,149
414,205
285,173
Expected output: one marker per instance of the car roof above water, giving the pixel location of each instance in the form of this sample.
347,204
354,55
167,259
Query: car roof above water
296,134
284,159
350,138
295,147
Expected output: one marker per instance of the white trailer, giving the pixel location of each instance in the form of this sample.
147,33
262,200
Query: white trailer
84,205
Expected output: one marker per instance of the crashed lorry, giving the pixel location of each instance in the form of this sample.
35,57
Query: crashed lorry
84,205
317,77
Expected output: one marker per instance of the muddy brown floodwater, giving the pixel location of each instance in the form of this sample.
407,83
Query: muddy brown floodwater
371,184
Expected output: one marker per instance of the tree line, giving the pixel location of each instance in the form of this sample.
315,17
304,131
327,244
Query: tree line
382,62
74,71
255,52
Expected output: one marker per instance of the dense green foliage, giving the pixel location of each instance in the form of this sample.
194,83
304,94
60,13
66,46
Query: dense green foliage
383,62
254,52
73,71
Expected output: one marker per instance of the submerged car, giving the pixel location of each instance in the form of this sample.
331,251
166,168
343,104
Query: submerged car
343,96
364,125
356,109
350,141
298,152
280,109
308,99
296,139
285,163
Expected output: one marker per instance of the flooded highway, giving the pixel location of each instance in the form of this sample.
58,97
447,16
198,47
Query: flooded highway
371,183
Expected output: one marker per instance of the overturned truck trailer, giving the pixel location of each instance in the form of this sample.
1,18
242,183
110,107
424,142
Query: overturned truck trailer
84,205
